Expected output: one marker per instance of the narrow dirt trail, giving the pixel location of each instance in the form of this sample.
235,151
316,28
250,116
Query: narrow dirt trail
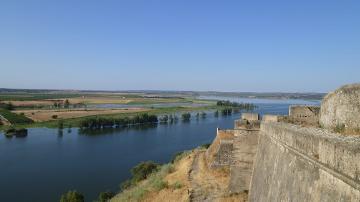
206,185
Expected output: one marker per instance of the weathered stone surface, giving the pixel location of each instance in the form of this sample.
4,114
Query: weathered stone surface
250,116
295,163
341,108
304,114
219,153
243,156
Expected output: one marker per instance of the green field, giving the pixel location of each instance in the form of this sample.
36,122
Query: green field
15,118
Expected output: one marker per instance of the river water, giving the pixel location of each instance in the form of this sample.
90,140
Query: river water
45,164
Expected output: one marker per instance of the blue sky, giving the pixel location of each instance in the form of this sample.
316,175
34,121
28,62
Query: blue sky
263,46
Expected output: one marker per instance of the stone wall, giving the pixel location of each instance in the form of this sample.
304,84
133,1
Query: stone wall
304,114
295,163
248,121
250,116
273,118
219,153
341,109
243,155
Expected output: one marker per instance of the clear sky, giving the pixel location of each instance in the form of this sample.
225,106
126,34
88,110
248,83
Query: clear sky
290,46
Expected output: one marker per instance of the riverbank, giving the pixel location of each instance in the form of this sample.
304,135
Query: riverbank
187,178
75,122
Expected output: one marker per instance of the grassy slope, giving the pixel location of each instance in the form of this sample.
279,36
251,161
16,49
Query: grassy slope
168,184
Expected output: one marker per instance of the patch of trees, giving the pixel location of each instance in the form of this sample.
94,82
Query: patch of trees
227,103
75,196
98,122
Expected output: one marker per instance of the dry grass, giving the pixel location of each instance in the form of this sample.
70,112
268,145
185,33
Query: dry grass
176,181
47,115
214,182
177,184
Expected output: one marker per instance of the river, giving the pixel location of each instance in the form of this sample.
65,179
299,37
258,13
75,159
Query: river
45,164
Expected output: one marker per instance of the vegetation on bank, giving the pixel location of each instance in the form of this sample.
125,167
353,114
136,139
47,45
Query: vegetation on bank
15,118
244,106
75,122
149,177
146,177
164,115
72,196
98,122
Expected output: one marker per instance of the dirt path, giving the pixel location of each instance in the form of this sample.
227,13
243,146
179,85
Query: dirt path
207,185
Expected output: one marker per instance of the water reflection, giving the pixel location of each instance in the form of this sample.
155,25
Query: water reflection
116,130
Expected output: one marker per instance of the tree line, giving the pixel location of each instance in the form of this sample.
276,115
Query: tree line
227,103
99,122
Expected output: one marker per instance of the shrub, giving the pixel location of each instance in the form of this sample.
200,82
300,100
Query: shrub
125,185
177,185
139,193
9,106
105,196
158,184
54,116
207,145
143,170
340,128
72,196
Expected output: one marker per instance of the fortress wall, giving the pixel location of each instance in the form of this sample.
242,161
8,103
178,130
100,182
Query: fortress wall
219,152
295,163
250,116
243,156
304,114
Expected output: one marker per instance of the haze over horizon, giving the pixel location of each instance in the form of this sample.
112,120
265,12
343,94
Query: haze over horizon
231,46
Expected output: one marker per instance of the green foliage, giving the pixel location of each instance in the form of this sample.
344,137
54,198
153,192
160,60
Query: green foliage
99,122
185,117
143,170
9,106
340,128
177,185
66,104
207,145
72,196
177,156
14,118
126,185
158,184
105,196
246,106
